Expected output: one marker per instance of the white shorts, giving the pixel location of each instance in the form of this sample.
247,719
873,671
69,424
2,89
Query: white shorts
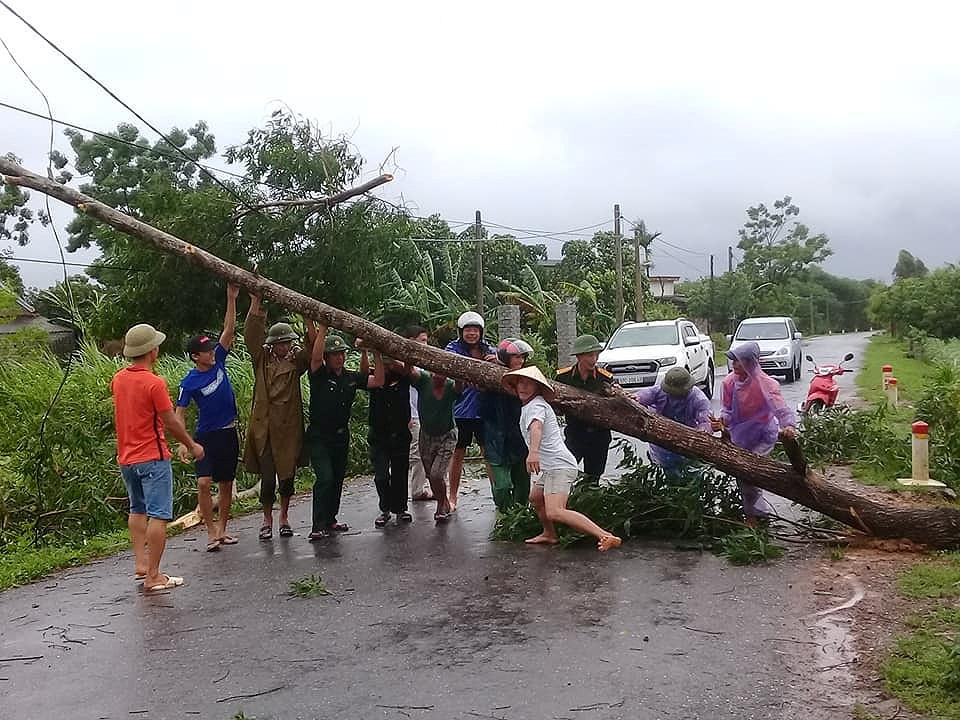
556,482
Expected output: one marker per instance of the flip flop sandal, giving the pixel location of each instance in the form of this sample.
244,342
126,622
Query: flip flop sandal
171,583
441,517
286,531
228,540
405,517
213,545
381,520
266,532
139,577
338,527
318,535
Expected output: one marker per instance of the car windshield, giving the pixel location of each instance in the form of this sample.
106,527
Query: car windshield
763,331
644,335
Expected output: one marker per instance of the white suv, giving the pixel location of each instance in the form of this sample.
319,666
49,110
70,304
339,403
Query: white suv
781,349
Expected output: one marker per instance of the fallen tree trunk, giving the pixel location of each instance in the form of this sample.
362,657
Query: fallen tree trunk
866,509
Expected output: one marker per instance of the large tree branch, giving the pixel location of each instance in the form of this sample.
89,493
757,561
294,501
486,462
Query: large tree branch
864,508
322,203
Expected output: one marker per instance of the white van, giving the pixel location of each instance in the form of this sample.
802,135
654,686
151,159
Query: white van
781,349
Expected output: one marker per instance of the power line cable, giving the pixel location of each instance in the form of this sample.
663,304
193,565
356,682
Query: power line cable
72,308
41,261
109,92
683,249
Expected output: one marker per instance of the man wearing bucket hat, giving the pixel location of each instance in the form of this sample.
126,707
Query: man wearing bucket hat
275,431
677,398
142,411
587,442
332,392
552,467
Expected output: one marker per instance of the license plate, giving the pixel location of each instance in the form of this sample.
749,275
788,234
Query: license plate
637,379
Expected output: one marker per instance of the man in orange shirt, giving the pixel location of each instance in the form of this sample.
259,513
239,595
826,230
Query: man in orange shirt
142,410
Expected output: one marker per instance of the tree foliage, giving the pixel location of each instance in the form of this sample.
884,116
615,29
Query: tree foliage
908,266
776,246
927,303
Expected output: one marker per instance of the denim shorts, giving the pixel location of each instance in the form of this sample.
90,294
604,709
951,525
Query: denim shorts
150,488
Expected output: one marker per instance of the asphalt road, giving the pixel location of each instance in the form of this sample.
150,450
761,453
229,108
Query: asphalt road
423,622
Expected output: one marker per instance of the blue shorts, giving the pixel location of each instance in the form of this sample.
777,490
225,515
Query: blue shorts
150,488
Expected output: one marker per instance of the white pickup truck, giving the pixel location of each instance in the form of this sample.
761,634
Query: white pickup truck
639,354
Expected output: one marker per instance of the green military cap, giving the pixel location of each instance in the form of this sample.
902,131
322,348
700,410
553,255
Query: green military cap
334,344
281,332
586,344
677,382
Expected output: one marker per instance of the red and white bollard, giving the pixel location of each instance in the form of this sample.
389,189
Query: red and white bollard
886,373
920,472
892,391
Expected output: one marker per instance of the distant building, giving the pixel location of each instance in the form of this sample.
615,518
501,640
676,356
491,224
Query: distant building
663,287
62,339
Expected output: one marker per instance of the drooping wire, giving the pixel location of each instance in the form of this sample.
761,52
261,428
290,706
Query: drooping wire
113,95
71,308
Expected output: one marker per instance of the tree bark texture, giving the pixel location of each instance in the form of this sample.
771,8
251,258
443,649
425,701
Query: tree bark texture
866,509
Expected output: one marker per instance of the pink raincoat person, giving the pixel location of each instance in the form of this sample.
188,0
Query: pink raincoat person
756,415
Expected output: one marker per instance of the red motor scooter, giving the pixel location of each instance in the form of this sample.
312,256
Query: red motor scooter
823,390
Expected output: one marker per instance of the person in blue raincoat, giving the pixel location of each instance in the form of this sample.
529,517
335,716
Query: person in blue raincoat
678,399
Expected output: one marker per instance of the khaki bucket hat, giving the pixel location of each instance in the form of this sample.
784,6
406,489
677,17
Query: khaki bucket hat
511,378
141,339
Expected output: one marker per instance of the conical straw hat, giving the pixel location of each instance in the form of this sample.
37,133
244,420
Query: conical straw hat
533,372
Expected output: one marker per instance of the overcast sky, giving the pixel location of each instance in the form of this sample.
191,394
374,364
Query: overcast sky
543,118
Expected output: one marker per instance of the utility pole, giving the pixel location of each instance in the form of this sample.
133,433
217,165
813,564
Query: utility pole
712,296
479,233
618,254
811,315
729,258
638,273
826,310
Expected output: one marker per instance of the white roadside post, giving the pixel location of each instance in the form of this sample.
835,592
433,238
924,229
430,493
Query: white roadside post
887,373
892,391
921,458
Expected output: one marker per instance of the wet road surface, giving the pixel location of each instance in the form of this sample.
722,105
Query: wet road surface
423,622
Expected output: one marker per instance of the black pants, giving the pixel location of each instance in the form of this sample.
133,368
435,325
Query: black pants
590,445
391,462
329,461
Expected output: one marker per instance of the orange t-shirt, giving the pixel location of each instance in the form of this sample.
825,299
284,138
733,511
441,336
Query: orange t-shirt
139,396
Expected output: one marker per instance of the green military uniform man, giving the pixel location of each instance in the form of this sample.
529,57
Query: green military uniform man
587,442
332,392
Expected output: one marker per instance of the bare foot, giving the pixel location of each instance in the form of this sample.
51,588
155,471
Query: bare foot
608,541
543,539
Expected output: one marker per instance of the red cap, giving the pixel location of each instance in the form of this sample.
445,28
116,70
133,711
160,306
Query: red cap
887,368
920,428
892,381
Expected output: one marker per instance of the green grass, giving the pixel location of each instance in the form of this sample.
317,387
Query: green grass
937,579
23,563
924,667
911,373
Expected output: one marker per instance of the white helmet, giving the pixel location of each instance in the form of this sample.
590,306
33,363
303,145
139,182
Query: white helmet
470,318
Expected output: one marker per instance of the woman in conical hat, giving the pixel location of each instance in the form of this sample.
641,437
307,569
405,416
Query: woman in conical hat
552,467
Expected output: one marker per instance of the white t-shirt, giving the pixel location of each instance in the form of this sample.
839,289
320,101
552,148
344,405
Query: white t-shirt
554,454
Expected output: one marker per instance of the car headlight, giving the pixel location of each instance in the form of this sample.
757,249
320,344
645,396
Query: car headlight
783,351
664,362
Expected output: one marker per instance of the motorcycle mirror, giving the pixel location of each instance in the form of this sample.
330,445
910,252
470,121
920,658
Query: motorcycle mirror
809,358
848,356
